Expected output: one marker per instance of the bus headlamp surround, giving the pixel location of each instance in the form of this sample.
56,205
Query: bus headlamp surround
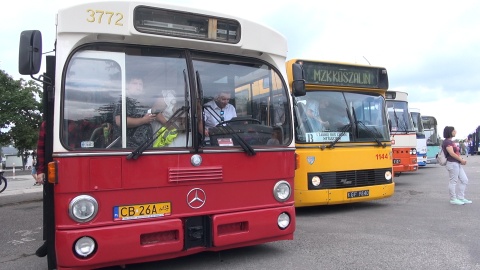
282,191
83,208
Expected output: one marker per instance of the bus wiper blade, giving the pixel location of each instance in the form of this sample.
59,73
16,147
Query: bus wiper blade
171,122
228,130
372,134
345,129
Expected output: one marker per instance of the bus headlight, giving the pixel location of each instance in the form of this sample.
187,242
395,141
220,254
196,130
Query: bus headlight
388,175
283,220
316,181
83,208
84,247
282,191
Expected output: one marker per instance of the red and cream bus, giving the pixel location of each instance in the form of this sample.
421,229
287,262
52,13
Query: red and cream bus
402,133
109,201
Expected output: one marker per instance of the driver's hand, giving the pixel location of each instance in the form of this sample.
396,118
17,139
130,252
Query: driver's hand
206,133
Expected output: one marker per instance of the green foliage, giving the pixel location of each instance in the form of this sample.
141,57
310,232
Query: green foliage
20,112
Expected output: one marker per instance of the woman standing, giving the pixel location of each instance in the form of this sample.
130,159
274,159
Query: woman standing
455,170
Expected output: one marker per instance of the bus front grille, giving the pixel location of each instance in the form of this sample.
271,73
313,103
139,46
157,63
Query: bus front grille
348,179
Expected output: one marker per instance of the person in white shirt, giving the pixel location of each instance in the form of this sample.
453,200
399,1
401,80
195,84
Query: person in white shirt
224,111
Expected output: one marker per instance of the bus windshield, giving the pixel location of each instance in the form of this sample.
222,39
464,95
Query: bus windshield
430,127
105,85
417,123
325,116
399,116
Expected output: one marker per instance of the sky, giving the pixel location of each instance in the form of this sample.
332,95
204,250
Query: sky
431,49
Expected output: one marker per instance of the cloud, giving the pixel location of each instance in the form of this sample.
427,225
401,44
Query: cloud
430,48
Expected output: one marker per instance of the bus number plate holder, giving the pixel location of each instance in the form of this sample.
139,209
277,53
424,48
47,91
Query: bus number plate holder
140,211
358,193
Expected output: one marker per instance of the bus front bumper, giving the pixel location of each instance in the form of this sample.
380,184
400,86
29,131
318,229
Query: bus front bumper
153,240
340,196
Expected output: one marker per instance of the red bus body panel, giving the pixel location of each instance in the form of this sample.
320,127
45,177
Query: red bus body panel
242,211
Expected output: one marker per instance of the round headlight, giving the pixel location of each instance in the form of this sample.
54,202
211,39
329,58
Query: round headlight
316,181
414,151
388,175
84,246
83,208
282,191
283,220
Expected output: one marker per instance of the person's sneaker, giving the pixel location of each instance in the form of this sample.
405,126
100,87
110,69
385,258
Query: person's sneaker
456,202
465,200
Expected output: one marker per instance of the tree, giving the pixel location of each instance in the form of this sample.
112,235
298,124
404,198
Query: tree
20,112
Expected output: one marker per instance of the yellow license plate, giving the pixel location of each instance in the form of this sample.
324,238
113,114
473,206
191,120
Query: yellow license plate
138,211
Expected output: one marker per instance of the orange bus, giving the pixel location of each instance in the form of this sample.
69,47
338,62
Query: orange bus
117,195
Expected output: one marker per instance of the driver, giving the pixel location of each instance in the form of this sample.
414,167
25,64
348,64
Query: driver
224,111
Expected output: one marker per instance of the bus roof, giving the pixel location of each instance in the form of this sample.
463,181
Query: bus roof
113,21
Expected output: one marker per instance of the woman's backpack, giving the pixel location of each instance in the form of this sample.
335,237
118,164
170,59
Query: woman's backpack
441,158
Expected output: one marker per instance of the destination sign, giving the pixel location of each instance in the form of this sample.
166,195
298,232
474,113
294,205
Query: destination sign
343,75
328,137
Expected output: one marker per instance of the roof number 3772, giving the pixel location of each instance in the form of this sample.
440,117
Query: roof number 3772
102,16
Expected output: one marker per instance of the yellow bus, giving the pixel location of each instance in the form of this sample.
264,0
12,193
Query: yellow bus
343,147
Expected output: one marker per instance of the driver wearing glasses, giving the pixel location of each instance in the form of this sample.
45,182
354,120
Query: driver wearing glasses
224,111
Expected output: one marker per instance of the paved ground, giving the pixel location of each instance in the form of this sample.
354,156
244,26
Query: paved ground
19,183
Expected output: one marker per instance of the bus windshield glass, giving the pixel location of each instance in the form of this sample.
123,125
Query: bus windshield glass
106,86
326,116
399,116
417,123
430,127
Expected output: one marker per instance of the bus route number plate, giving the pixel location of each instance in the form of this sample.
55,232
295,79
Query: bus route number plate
358,193
139,211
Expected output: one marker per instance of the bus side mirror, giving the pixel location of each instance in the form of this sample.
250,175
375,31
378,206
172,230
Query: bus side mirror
30,52
390,125
298,83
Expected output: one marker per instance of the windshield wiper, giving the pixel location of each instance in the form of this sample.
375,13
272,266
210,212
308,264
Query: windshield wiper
368,130
228,130
344,130
171,122
402,125
372,134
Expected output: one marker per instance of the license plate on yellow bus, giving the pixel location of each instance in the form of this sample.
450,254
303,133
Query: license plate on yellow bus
139,211
358,193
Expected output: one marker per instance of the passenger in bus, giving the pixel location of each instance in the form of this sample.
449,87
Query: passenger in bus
313,116
165,107
334,114
276,137
139,118
218,110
